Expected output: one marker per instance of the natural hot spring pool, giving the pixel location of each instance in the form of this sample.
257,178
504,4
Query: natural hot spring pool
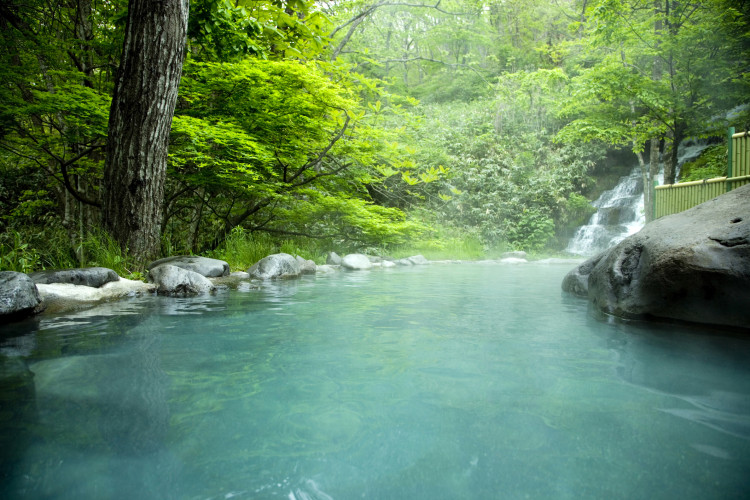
464,381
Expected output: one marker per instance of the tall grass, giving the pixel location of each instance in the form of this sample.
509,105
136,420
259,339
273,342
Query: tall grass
241,249
443,243
38,248
51,247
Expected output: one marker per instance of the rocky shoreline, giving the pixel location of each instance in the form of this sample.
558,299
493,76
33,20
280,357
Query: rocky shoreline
70,290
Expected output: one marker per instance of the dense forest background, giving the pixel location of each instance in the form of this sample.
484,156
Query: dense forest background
459,127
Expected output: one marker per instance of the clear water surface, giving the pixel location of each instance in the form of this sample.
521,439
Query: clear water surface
462,381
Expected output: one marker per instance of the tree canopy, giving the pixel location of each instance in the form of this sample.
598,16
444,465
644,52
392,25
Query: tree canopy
364,123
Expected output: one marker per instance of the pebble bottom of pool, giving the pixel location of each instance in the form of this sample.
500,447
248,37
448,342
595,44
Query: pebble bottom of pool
445,381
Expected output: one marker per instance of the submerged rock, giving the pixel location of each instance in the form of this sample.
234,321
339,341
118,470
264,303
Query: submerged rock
173,280
109,411
84,276
276,266
356,261
19,296
692,266
327,268
210,268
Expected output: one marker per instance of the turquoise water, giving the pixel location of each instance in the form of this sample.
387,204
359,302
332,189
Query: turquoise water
462,381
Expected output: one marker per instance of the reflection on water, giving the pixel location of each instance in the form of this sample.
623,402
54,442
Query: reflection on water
443,381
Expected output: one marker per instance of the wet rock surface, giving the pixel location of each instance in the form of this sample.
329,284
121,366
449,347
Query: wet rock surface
306,266
577,280
19,296
94,277
62,297
173,280
276,266
210,268
356,261
333,259
692,266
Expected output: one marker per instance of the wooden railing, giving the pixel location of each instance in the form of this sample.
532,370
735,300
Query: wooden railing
673,198
739,154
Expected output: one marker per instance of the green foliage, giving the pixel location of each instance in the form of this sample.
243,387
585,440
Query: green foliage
286,138
712,163
643,71
224,30
578,210
100,249
241,248
351,220
439,243
508,182
286,147
533,230
17,255
29,249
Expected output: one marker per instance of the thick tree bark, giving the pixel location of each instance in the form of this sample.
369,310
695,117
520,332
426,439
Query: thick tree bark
648,186
139,123
653,168
672,143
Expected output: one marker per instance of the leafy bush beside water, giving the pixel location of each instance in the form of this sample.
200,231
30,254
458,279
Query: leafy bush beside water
30,248
712,163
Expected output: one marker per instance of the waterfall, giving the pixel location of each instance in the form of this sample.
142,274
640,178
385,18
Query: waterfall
620,210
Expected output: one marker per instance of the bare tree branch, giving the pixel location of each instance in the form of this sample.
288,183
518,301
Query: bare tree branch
314,163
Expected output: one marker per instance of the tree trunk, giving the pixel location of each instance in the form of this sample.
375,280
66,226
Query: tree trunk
653,168
653,171
139,123
671,144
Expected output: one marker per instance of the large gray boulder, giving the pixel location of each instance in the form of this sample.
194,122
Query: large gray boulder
306,266
276,266
692,266
19,296
333,259
356,261
210,268
418,260
577,280
173,280
84,276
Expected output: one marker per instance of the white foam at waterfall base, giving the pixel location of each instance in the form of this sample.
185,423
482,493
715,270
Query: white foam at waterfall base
626,198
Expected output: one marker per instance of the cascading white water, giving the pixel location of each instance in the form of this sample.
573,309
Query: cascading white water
619,213
620,210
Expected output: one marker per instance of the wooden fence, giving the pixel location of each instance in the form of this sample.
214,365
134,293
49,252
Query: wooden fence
673,198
